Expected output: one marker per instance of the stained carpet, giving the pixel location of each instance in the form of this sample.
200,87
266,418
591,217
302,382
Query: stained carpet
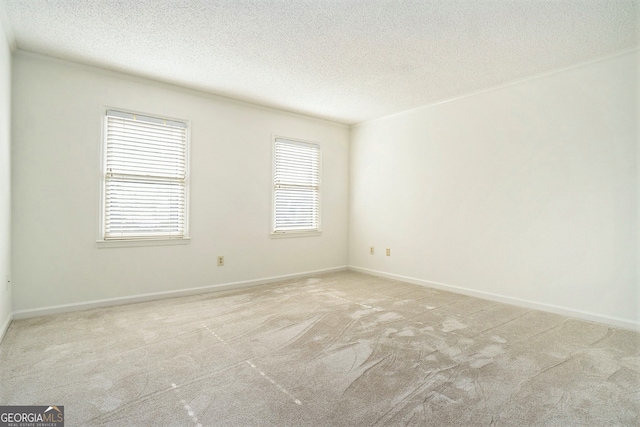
343,349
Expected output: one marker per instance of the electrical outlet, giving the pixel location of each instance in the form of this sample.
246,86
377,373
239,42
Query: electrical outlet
220,261
372,251
388,251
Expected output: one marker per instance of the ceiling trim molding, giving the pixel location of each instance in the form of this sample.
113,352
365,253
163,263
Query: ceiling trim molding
537,76
193,91
5,23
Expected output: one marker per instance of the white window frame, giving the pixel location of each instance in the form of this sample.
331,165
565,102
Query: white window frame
274,185
103,242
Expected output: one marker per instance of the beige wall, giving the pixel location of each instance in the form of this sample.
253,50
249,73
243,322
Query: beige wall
57,122
5,181
526,192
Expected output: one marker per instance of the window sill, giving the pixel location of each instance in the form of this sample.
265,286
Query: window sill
142,242
287,234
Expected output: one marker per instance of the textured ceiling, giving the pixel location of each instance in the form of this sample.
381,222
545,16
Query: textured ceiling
342,60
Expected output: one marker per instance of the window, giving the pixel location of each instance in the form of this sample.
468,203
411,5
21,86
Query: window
145,178
296,187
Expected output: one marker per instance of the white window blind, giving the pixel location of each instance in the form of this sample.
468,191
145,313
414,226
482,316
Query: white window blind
145,177
296,186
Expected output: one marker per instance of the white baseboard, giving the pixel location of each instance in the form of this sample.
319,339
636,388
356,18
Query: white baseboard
613,321
5,326
569,312
44,311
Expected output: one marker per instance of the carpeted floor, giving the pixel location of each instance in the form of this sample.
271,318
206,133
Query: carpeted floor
343,349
